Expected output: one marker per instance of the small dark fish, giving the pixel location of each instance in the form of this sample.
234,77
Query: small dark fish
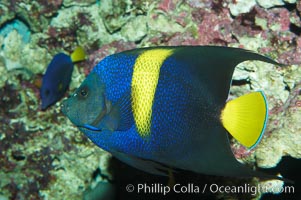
58,76
162,107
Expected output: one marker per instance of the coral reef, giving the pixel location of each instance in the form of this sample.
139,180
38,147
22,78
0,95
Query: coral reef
42,156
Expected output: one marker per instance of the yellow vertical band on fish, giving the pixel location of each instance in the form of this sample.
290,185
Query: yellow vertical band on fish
144,83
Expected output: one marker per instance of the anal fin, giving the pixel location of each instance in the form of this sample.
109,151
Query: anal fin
143,164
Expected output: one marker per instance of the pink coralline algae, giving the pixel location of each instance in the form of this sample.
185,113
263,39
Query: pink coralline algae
276,17
298,103
39,150
177,39
245,25
292,56
218,25
240,152
201,4
108,49
168,5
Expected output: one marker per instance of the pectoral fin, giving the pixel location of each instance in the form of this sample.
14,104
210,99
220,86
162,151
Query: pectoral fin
121,115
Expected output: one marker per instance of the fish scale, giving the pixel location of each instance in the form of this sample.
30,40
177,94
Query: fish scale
165,108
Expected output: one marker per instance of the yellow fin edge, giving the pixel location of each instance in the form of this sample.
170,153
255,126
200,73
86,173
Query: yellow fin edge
78,54
245,118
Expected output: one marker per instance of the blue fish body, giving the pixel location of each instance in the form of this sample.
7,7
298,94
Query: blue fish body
56,79
162,107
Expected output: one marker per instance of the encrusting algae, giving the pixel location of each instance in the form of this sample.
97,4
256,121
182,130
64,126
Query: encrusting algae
44,156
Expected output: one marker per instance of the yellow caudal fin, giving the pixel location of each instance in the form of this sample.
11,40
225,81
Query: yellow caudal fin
245,118
78,54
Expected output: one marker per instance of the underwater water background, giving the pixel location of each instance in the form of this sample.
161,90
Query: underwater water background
44,156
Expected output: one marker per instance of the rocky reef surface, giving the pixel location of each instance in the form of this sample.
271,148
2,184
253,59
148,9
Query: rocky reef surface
43,156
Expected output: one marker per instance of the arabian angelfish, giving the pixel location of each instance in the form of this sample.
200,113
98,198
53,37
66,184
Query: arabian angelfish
162,107
58,76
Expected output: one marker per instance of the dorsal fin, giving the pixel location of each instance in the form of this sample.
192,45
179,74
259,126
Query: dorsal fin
214,65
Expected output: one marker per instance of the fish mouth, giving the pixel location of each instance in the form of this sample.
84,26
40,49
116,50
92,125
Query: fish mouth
89,128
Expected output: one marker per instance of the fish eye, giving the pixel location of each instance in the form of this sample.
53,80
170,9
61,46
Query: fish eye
84,92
